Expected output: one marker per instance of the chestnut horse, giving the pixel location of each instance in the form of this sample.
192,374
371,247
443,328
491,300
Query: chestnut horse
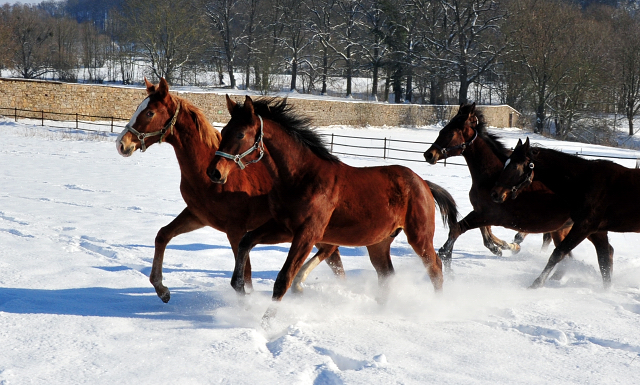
539,210
234,208
599,195
320,199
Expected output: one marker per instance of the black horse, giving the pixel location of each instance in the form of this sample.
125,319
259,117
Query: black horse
600,196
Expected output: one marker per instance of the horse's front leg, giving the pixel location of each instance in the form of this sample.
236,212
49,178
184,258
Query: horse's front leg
471,221
184,223
504,245
269,233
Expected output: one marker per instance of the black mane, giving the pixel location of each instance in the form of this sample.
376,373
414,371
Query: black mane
492,140
296,125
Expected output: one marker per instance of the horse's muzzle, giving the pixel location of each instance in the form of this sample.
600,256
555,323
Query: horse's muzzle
499,195
431,156
216,176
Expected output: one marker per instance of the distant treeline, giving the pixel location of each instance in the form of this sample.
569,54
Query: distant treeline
557,61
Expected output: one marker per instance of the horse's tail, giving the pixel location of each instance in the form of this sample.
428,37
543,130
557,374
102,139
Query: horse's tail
446,204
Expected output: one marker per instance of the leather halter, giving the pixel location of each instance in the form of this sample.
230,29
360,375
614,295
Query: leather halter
162,132
258,145
463,146
515,190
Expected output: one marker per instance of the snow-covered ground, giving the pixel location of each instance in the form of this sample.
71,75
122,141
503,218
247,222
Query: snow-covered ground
77,229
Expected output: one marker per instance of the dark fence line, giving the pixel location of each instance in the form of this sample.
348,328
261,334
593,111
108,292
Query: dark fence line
383,150
108,122
379,152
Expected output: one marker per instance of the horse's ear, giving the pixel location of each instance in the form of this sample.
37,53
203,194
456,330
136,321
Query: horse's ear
473,108
230,104
527,145
150,87
519,143
248,105
163,88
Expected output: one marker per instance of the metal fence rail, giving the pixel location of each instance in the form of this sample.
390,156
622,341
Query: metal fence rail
384,150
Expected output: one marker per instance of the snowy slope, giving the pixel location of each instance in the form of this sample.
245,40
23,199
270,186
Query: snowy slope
77,228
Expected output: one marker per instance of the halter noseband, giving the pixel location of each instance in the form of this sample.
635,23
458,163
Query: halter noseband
515,190
463,146
143,135
258,145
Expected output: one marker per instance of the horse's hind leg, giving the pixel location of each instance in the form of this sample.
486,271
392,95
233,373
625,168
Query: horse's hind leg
326,252
605,256
577,234
380,256
185,222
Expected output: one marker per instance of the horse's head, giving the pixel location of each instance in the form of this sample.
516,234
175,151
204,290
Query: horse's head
516,175
152,121
241,142
454,138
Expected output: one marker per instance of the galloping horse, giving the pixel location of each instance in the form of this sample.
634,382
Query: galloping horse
539,210
234,208
597,193
320,199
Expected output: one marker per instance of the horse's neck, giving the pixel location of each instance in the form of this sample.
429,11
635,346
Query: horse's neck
558,174
286,157
484,165
192,153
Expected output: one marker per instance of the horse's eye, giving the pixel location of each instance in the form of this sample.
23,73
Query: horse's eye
240,135
149,114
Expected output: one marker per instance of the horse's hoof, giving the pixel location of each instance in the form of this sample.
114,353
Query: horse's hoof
268,316
536,284
296,288
515,249
165,297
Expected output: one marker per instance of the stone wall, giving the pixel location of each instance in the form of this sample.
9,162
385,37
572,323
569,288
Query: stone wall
121,102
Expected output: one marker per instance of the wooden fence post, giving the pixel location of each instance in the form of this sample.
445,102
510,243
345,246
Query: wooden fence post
331,143
384,150
15,113
76,120
42,117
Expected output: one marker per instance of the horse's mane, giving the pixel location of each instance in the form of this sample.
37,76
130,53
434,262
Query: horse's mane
296,125
492,140
209,135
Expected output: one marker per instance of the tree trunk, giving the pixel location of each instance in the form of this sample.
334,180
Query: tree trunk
349,71
540,113
294,74
409,91
325,70
464,87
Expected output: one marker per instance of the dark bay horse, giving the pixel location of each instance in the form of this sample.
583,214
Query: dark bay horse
539,211
234,208
320,199
599,194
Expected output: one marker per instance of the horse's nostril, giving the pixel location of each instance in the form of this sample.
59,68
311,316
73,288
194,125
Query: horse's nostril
428,155
215,175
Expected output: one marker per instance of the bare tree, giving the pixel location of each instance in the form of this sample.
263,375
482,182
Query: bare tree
32,34
167,33
543,36
323,14
626,53
222,16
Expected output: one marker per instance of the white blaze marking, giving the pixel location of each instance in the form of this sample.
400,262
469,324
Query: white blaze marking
141,107
507,162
